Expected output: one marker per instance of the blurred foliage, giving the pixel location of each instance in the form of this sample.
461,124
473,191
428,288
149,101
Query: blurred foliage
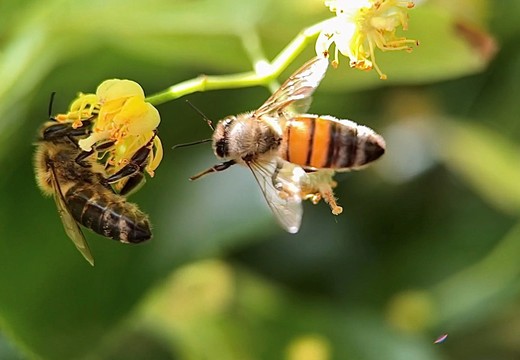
428,243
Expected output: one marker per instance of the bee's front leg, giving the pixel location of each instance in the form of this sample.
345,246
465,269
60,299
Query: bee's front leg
137,163
216,168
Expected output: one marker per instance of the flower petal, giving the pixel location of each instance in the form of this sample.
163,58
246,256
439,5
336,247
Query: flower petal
117,89
139,116
87,143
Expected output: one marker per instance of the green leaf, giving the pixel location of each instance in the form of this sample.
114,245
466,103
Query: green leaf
467,295
486,159
211,309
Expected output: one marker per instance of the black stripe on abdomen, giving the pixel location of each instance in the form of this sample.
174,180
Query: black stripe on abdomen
310,144
108,214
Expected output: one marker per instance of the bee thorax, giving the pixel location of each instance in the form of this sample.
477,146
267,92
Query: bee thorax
244,139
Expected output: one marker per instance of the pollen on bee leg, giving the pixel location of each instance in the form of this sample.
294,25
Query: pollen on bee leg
284,193
314,198
325,191
329,198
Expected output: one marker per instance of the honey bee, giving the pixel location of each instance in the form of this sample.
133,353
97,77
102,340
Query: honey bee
283,147
82,193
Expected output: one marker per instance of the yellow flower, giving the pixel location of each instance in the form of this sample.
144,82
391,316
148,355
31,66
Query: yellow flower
122,153
360,26
123,113
83,108
122,121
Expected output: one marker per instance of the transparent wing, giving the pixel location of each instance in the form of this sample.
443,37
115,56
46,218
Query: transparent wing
298,87
71,226
280,185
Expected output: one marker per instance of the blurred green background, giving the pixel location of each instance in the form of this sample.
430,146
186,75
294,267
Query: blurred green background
428,244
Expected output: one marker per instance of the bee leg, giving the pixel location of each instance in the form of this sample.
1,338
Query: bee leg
132,172
133,183
274,177
85,154
82,156
105,146
61,130
284,191
136,164
216,168
56,131
126,171
134,179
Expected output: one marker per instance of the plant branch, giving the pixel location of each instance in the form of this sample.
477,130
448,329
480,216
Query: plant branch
264,74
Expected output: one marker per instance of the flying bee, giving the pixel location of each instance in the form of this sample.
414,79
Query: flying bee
82,193
287,152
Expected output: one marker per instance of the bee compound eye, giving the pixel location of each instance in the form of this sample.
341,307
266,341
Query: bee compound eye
221,148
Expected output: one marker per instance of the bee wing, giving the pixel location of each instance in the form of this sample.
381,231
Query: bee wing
71,226
298,87
280,185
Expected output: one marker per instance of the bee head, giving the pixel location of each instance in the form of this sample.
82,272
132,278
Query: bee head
221,137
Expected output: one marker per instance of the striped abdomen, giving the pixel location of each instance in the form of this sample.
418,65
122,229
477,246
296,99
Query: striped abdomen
325,142
107,214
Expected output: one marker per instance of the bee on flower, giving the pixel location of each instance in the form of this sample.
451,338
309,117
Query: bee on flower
122,134
90,158
361,26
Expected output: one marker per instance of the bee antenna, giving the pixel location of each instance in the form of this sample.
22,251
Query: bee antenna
51,101
191,143
210,123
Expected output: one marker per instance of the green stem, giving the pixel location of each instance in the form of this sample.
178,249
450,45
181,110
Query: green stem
262,75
